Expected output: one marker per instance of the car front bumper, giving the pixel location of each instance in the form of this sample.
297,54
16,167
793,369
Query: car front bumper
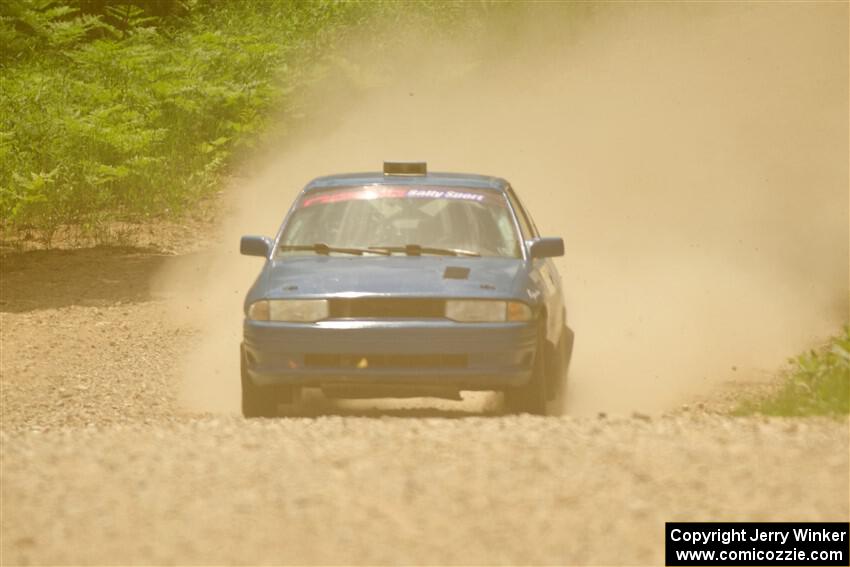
463,356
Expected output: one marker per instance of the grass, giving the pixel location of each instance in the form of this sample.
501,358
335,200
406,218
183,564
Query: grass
101,121
818,383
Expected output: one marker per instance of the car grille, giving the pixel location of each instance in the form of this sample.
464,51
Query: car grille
386,308
364,361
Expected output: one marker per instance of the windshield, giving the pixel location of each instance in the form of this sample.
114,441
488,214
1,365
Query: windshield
401,219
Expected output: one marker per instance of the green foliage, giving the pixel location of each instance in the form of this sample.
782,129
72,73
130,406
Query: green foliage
126,110
818,384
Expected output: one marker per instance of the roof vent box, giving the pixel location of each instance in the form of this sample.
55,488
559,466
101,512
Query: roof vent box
405,168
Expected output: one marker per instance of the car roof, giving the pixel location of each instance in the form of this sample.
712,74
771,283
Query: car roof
439,179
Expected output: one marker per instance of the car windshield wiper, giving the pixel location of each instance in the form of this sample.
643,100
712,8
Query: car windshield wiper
417,250
324,249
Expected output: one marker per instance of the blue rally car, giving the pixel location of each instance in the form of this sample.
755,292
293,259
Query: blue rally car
405,283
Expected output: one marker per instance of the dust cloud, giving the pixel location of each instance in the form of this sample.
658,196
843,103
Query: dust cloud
694,158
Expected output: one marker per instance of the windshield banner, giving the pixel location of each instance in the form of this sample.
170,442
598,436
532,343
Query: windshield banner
400,192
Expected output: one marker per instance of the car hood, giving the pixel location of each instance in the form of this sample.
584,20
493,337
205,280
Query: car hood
412,276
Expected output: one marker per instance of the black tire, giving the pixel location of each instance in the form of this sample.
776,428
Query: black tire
569,338
531,397
559,364
256,400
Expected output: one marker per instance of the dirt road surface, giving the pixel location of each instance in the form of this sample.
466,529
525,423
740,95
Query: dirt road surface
100,465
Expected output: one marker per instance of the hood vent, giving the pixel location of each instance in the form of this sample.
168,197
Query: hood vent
456,273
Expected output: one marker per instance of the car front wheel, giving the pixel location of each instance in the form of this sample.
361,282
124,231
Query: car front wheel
261,401
558,364
531,397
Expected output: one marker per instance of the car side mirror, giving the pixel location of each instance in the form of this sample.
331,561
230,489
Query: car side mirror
255,246
546,247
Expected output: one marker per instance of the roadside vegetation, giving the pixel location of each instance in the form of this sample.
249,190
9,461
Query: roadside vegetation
126,111
818,383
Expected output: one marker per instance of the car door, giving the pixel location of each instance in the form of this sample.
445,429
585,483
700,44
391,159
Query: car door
543,273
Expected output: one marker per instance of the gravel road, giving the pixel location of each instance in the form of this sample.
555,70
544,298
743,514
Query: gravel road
101,466
342,489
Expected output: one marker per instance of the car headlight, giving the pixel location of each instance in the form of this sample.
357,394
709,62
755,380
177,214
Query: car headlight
291,310
486,311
